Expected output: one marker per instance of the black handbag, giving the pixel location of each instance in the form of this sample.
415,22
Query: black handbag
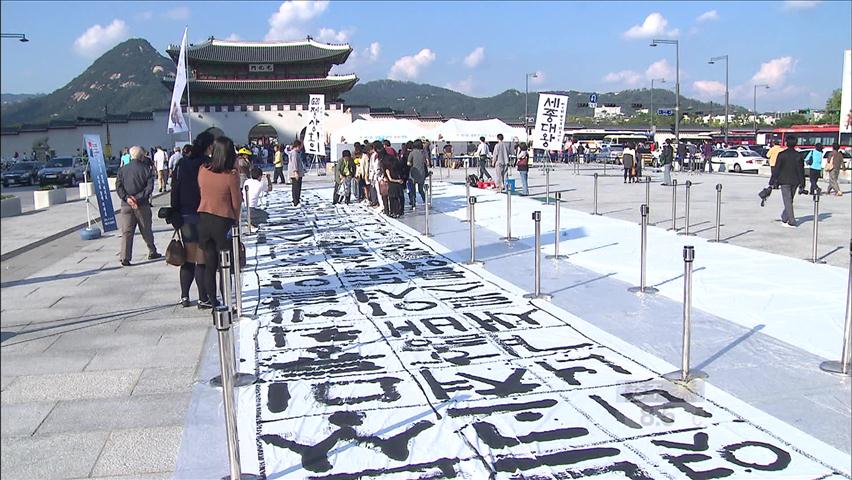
176,252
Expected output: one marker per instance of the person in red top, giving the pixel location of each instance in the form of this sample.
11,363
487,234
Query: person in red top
219,208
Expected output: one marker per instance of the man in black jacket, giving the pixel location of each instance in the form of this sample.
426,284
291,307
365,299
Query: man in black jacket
788,174
134,184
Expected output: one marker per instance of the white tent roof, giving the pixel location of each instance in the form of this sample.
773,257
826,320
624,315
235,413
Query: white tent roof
394,130
470,130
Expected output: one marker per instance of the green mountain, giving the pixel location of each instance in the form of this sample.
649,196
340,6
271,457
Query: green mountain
426,100
127,78
10,98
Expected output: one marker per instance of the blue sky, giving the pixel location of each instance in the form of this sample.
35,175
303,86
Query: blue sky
475,47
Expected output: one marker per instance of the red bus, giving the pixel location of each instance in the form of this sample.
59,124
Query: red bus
810,135
736,137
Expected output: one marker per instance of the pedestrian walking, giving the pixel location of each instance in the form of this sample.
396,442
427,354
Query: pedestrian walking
814,162
482,154
707,151
681,155
134,185
628,161
162,166
185,198
125,156
666,157
377,182
418,170
524,168
278,165
788,174
833,162
218,209
392,169
346,172
296,171
358,183
501,162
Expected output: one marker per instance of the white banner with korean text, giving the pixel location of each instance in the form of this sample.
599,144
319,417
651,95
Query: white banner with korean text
549,121
315,134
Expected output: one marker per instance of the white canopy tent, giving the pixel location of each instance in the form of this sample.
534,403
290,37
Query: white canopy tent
393,130
455,130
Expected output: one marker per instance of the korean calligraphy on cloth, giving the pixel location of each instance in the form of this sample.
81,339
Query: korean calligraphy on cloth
314,134
549,121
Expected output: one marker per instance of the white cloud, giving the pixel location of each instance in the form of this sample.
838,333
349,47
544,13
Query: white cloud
98,39
709,89
145,16
463,86
774,72
288,22
800,4
626,77
654,26
177,13
373,51
475,57
708,16
660,69
330,35
409,67
233,37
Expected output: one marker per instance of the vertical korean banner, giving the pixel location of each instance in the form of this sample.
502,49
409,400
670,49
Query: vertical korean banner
846,95
314,134
99,181
549,121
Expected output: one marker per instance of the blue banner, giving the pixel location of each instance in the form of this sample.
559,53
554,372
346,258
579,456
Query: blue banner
100,183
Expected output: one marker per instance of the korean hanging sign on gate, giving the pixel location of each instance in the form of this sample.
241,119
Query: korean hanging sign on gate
314,134
549,121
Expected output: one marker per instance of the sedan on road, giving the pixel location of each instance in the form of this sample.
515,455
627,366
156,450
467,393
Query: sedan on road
22,173
62,170
737,160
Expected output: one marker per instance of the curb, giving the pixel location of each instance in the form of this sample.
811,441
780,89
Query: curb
55,236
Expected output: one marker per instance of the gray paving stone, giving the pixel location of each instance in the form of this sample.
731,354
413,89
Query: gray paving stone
163,325
23,419
20,316
70,386
139,451
85,340
144,357
26,364
26,343
165,380
50,456
139,411
5,380
147,476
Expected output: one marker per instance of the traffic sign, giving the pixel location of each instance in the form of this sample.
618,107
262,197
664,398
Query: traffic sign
593,98
665,111
593,105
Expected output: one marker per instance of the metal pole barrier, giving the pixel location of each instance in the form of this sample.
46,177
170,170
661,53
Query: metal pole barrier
466,192
222,323
643,254
674,205
596,195
248,212
815,240
648,198
238,274
473,261
686,375
536,216
686,229
239,379
427,233
557,230
508,237
844,366
547,183
718,214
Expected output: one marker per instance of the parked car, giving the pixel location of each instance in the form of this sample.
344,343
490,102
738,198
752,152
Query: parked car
112,166
737,160
62,170
23,173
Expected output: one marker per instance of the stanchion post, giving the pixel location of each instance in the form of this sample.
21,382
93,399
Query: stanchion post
546,183
239,379
428,213
472,204
557,229
685,375
508,237
674,205
644,211
466,192
595,212
686,212
248,211
536,216
429,193
222,322
718,238
648,197
844,366
238,273
815,240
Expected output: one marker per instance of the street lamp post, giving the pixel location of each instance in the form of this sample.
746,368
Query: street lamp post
754,108
654,43
711,62
22,37
653,110
527,103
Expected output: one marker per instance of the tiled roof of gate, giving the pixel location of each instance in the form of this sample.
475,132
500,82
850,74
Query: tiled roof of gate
221,51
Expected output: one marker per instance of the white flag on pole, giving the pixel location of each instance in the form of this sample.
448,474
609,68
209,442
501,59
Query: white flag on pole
177,123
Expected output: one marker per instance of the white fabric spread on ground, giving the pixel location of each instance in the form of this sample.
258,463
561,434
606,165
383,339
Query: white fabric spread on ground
380,357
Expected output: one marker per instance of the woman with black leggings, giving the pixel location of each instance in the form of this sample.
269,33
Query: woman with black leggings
219,209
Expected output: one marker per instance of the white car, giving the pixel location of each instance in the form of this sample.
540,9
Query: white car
737,160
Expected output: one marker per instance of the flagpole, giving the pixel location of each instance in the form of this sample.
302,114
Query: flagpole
186,72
